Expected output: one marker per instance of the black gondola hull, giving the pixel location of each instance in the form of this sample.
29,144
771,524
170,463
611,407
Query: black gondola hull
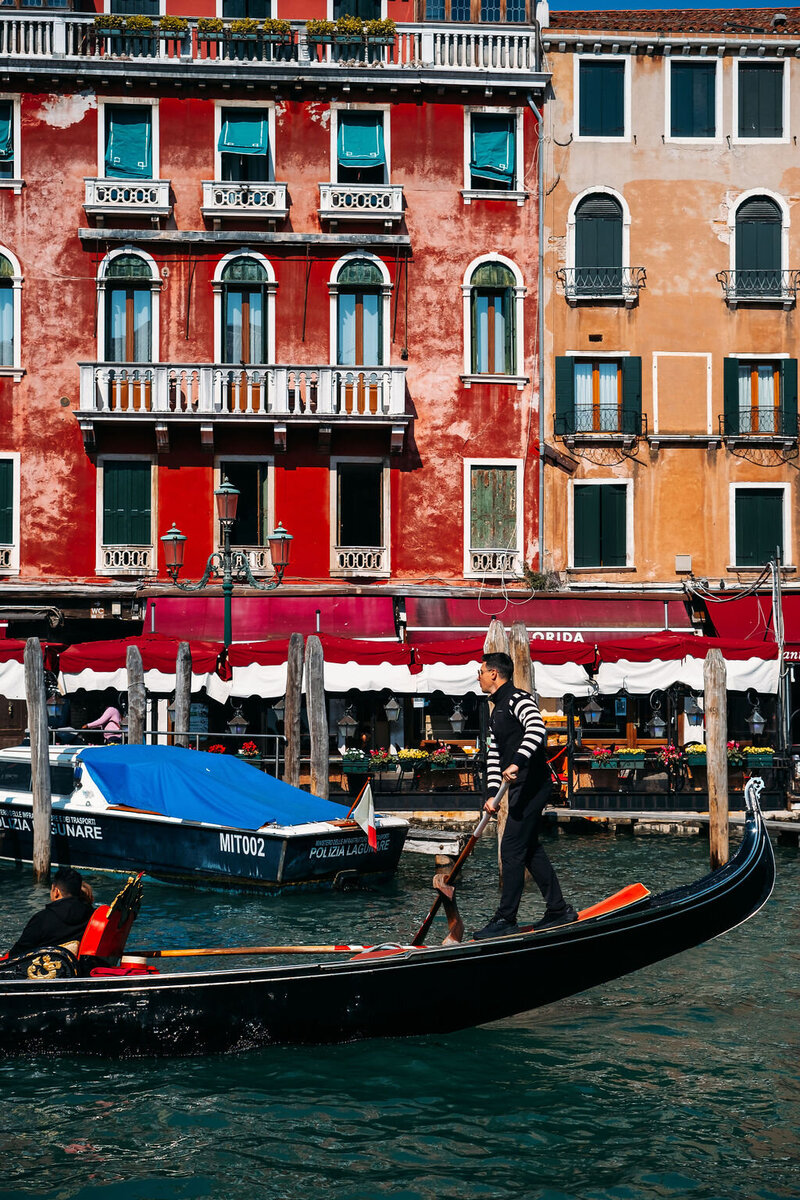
416,991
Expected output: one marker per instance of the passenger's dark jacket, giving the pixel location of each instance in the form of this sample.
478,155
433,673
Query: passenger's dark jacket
59,921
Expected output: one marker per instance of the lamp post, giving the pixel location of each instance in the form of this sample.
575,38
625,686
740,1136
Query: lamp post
229,563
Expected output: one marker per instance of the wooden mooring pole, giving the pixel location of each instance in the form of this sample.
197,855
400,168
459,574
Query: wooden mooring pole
291,712
183,693
497,643
317,718
40,758
137,696
716,709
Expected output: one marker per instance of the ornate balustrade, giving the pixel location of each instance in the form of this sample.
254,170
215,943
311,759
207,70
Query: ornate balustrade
227,199
360,560
494,562
126,560
360,202
127,198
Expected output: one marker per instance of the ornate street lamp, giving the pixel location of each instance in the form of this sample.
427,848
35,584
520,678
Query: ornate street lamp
692,711
656,725
392,710
457,718
227,562
238,723
593,712
347,724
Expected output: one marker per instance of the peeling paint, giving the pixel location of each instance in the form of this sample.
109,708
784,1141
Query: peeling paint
62,111
320,113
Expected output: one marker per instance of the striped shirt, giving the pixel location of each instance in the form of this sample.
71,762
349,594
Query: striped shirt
518,736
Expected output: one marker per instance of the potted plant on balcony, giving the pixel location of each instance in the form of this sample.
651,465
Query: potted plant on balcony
108,29
141,35
696,754
348,37
243,39
318,34
382,760
210,30
171,28
380,33
355,762
630,756
602,758
278,39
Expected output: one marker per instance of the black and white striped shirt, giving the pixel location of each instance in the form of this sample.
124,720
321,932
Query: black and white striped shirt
518,736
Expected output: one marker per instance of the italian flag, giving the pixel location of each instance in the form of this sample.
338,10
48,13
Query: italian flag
364,814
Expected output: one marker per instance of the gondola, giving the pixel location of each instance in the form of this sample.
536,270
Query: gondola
388,991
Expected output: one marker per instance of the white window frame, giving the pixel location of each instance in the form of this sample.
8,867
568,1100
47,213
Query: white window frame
386,515
270,287
104,102
14,555
269,108
265,460
517,549
16,183
99,508
602,481
386,293
385,110
162,7
572,222
577,136
155,306
785,223
736,137
518,379
733,488
15,370
693,141
517,194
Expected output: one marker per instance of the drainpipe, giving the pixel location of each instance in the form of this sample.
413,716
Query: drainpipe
540,308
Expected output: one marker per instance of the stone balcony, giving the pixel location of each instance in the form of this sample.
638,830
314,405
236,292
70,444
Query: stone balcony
56,44
223,199
360,202
165,395
371,561
115,198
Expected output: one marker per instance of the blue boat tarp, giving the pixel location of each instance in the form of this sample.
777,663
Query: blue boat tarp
193,785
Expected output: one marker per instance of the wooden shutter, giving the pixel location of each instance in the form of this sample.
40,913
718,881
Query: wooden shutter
759,525
631,395
602,99
565,396
758,235
613,525
693,100
126,504
6,501
586,525
493,508
788,370
760,100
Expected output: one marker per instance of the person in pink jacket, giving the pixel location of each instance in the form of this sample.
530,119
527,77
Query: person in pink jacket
111,724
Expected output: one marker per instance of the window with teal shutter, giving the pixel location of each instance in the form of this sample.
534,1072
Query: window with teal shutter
600,525
601,99
758,248
129,142
360,150
6,140
693,100
493,508
126,504
759,525
760,100
6,501
244,145
493,151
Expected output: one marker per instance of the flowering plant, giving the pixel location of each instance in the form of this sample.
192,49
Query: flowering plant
244,26
378,28
670,755
698,748
411,755
441,757
381,758
354,755
210,25
249,750
171,24
630,751
757,750
601,753
735,756
216,749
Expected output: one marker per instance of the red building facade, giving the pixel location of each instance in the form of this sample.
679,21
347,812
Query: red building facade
308,268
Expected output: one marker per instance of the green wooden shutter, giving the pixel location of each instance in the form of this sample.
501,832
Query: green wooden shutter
493,508
586,525
730,393
759,525
789,397
693,100
6,501
6,131
613,524
126,504
631,395
760,100
598,246
758,247
565,396
601,111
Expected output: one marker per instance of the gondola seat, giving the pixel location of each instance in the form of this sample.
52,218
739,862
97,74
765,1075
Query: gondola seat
107,932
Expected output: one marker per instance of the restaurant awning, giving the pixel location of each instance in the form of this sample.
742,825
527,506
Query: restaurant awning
256,618
12,668
451,666
99,665
259,668
549,619
641,665
752,617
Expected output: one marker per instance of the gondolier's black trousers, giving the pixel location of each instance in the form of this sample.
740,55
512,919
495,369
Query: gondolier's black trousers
520,849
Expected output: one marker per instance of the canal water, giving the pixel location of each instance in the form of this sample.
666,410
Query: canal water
681,1081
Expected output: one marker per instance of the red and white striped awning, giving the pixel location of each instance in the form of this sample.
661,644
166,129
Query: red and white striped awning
12,670
452,667
259,668
99,665
641,665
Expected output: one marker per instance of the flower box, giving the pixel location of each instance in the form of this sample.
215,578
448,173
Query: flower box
357,767
695,760
616,763
756,760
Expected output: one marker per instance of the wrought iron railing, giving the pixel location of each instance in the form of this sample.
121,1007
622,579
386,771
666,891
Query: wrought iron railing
602,283
760,423
777,286
604,420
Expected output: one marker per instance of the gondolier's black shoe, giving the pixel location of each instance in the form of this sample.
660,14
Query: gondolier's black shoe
550,920
497,927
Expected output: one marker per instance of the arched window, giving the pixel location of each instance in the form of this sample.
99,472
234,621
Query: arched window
493,332
129,309
244,290
598,246
7,305
359,314
759,229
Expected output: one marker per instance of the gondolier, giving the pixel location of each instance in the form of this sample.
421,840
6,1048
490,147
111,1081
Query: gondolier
517,752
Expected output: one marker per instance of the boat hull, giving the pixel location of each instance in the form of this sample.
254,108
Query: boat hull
191,853
415,991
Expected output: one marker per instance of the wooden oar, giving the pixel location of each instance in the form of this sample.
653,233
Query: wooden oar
422,932
200,951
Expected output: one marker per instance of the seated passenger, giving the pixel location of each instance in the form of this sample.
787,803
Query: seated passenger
62,921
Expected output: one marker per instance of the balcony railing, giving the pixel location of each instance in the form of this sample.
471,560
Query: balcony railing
126,560
494,562
228,199
602,283
360,202
258,558
452,50
759,423
6,553
135,390
767,287
602,421
147,198
360,560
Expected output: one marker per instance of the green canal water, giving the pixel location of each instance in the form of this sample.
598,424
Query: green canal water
681,1081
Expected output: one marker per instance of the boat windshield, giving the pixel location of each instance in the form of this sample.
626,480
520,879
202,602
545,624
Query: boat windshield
16,777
